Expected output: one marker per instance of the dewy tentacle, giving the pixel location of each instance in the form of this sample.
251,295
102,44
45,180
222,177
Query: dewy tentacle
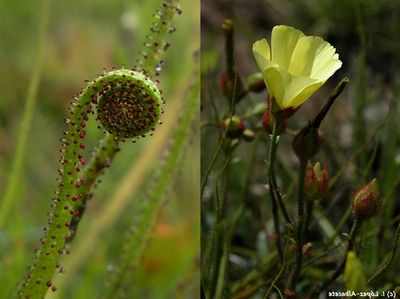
128,104
151,62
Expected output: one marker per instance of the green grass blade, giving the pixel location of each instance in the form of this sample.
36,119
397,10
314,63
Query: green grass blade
9,198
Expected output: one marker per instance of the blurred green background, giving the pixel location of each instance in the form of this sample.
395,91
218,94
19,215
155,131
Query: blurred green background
82,39
361,136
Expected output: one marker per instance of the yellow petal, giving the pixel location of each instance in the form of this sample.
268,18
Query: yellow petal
303,92
287,89
284,40
325,67
315,58
262,53
275,80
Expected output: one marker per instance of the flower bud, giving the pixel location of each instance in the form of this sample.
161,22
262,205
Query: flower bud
224,83
306,143
248,135
316,181
234,126
231,86
289,294
307,249
366,200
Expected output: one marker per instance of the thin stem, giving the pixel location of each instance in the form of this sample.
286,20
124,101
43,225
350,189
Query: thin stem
339,226
101,159
338,90
245,287
388,261
219,260
300,224
151,61
229,48
211,166
353,232
231,223
222,271
309,211
275,210
278,291
279,198
266,296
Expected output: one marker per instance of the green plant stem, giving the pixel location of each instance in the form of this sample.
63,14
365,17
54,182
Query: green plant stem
388,261
229,48
339,226
275,209
279,198
58,232
245,287
211,166
309,212
276,278
155,44
225,230
101,158
300,224
232,227
278,291
211,262
223,268
217,247
9,196
353,232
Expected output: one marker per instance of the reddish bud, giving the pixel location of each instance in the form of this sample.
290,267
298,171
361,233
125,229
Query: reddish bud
224,83
231,86
307,249
366,200
289,294
316,182
306,143
234,126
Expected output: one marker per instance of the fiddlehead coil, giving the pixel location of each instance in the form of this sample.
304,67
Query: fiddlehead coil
128,104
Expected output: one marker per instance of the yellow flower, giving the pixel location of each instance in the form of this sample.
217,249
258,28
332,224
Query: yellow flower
297,66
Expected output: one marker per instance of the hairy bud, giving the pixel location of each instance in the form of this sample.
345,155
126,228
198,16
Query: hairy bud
234,126
316,181
306,143
366,200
